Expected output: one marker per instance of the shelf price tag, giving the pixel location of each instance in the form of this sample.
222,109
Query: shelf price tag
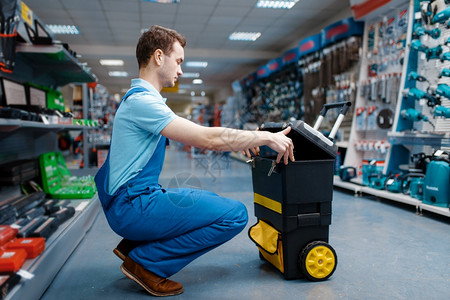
23,273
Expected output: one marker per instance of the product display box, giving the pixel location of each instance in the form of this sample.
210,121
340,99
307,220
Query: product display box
12,260
59,183
7,233
33,246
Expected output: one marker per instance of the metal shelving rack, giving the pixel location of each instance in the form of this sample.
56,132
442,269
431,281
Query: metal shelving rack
358,189
55,66
58,249
9,125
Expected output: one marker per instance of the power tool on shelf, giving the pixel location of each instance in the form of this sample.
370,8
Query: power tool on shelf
442,111
444,73
435,33
412,184
444,56
442,16
437,180
443,90
393,183
415,76
413,115
418,46
418,95
434,53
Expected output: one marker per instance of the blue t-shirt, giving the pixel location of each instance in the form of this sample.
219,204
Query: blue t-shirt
136,133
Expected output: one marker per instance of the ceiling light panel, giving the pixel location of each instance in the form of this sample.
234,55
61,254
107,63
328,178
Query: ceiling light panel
118,74
244,36
190,75
196,64
63,29
288,4
162,1
111,62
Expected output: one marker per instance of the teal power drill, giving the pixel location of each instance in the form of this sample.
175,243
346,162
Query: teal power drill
441,111
413,115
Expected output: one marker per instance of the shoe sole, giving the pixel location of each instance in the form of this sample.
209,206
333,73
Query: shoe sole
119,254
149,290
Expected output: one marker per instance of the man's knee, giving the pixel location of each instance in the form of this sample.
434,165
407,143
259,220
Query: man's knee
238,215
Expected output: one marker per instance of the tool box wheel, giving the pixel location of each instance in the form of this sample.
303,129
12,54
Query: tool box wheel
317,261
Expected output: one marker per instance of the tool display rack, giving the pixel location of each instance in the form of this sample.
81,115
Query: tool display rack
402,140
54,66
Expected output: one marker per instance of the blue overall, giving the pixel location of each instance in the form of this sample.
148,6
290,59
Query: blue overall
174,226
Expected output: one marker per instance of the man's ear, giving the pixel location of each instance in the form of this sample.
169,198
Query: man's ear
158,56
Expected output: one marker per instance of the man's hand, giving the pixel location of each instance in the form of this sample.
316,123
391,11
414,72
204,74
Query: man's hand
283,145
248,152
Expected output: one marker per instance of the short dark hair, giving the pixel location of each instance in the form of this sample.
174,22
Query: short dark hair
156,37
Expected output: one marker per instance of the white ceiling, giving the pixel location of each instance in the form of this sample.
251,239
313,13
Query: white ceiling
111,28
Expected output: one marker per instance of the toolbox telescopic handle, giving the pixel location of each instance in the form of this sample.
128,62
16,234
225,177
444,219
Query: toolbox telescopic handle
344,108
339,120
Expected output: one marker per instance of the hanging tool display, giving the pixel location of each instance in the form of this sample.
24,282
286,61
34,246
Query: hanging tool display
379,93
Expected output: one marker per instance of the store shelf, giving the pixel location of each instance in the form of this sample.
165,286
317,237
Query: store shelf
347,185
359,189
7,125
435,209
49,65
411,138
392,196
58,249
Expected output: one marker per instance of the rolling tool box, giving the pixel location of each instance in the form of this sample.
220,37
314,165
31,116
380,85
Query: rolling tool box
293,202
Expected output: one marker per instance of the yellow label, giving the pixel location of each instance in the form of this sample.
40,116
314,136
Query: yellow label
170,89
27,14
268,203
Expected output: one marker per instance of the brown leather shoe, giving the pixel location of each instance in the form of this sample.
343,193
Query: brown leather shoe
124,247
152,283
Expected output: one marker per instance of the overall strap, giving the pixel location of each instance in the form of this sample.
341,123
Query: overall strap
101,178
131,91
135,89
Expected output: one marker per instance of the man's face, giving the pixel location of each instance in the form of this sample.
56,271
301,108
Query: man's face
172,65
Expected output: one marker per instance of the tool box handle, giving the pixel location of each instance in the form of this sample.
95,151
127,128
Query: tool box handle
344,108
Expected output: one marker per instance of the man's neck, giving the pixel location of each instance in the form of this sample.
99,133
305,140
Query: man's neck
151,78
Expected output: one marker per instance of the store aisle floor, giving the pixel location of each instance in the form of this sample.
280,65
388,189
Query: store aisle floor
384,251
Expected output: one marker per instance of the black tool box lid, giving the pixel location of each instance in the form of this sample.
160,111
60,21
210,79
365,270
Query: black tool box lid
309,144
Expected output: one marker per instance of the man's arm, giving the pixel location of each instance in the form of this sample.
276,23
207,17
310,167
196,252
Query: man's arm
227,139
